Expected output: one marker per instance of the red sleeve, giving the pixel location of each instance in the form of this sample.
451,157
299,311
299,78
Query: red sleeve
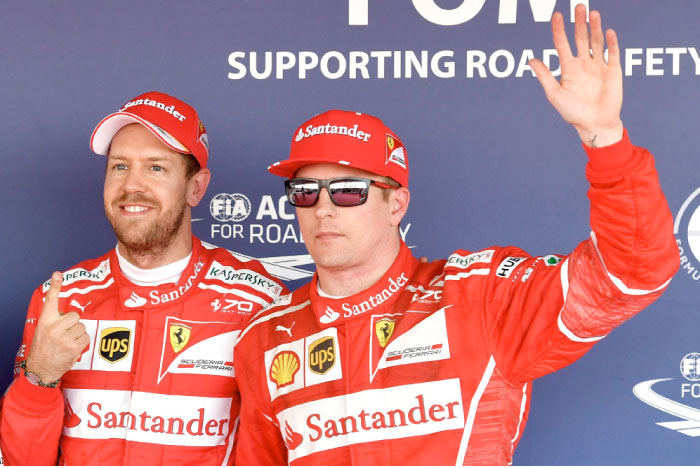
259,438
32,417
550,310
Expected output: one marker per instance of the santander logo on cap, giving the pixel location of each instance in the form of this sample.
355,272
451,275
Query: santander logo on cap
347,138
150,102
171,120
330,129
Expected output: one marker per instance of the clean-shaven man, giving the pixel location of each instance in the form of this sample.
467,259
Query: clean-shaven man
392,361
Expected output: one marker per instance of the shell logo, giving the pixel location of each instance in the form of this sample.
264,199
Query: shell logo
284,367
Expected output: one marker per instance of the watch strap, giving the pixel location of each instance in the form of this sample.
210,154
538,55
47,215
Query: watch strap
34,379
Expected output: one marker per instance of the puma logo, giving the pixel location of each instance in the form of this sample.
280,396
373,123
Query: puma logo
75,303
285,329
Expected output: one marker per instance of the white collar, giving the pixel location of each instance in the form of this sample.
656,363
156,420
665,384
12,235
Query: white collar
322,293
155,276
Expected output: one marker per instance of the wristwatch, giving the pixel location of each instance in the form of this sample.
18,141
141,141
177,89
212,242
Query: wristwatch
34,379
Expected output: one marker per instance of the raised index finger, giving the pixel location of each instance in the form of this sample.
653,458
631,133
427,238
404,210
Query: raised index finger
51,300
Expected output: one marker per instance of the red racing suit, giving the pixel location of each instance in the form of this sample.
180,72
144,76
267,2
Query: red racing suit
157,384
433,364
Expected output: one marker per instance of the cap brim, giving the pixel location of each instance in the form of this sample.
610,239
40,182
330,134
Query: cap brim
101,138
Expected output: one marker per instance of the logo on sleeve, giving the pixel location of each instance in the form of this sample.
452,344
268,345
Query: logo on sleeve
552,260
97,275
508,265
465,261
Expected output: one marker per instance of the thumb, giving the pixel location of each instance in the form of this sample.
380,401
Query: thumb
544,76
50,308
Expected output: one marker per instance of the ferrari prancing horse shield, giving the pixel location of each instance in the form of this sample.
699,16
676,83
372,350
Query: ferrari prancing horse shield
179,336
384,328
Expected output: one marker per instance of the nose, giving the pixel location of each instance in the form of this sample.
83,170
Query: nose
133,182
324,205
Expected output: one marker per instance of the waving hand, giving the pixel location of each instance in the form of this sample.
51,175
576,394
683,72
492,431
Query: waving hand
589,94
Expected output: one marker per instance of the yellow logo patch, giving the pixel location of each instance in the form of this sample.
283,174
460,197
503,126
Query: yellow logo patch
285,366
179,336
322,355
114,343
384,328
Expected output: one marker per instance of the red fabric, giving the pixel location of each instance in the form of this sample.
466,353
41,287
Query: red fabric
348,138
434,363
142,394
168,114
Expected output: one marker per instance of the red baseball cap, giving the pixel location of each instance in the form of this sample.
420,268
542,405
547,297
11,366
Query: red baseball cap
173,121
349,139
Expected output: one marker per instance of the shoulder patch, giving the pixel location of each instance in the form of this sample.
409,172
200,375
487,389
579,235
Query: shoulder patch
508,265
230,275
96,275
464,262
552,260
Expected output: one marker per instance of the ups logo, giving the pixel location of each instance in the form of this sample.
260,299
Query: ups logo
322,355
114,343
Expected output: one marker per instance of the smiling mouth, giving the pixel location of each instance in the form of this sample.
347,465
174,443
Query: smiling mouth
134,209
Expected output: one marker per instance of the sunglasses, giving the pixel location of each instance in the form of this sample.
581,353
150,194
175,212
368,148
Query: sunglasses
344,191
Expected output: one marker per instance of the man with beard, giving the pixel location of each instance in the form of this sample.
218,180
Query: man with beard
127,358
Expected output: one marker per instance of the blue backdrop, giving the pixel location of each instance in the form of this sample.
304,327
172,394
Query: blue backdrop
491,161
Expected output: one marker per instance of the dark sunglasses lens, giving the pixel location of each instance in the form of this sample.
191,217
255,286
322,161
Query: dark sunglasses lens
348,192
302,193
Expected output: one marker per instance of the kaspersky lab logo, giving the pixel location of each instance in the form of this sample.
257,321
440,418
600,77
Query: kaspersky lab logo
688,417
687,231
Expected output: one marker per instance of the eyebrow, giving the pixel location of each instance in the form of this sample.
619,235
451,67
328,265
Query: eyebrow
148,158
